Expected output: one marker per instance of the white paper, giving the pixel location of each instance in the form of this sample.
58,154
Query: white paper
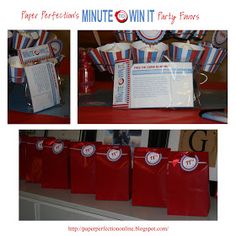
161,85
43,85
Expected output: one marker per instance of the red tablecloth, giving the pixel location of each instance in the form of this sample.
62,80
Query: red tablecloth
109,115
15,117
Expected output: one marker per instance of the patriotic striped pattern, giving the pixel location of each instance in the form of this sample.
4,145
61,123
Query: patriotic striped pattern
183,34
20,41
109,56
211,58
199,34
145,56
43,37
16,75
96,57
127,35
181,54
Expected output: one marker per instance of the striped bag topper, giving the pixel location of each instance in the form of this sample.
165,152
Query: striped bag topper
83,167
149,186
23,40
212,57
143,53
16,71
126,35
182,34
56,164
188,184
113,172
96,57
113,52
185,52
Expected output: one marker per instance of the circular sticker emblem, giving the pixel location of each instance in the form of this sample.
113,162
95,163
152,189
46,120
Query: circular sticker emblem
189,163
151,36
219,37
88,150
56,46
114,154
121,16
153,158
57,148
39,145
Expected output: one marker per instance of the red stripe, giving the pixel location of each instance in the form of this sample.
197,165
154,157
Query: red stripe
42,37
149,57
216,60
194,55
118,56
19,40
204,56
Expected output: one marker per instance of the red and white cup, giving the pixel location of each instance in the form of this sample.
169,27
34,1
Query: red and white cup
24,39
96,56
16,71
212,57
126,35
186,52
144,53
113,52
43,37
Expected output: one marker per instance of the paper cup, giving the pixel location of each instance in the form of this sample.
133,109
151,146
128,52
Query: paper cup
185,52
96,56
199,34
43,37
113,52
182,34
211,58
16,72
24,39
126,35
144,53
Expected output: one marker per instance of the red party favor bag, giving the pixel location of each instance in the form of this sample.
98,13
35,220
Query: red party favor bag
83,167
188,184
150,177
34,159
22,155
112,172
55,172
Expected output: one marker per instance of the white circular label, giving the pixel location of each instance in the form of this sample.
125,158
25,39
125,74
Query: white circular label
114,154
153,158
88,150
189,163
57,148
39,145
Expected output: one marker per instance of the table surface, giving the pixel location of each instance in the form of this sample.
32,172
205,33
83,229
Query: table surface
114,209
97,108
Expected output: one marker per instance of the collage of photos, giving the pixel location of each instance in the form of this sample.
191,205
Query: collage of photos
80,172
